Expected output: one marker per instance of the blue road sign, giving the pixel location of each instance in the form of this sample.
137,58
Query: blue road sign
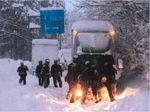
52,21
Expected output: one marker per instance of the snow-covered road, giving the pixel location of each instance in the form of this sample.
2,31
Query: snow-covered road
32,97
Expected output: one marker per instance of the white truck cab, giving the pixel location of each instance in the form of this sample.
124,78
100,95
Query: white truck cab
92,40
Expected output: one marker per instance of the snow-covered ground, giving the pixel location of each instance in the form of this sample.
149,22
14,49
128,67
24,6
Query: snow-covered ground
32,97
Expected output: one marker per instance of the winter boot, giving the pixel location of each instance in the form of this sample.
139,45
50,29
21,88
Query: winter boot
60,85
72,100
55,86
83,102
97,101
112,99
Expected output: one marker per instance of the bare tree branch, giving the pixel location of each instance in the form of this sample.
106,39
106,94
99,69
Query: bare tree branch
4,44
15,34
127,7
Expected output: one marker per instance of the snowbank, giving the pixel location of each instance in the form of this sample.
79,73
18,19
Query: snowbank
32,97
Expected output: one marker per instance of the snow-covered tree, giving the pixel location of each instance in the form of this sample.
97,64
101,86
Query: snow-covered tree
14,26
131,21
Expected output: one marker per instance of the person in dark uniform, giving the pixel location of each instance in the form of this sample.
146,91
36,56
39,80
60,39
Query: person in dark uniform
22,70
93,82
46,73
38,72
74,70
87,79
107,77
56,73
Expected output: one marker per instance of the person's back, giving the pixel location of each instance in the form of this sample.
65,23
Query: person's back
55,69
22,70
39,68
45,69
38,72
86,80
108,71
88,74
46,73
56,73
72,78
73,71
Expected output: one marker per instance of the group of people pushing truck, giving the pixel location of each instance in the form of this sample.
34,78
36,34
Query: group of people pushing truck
90,76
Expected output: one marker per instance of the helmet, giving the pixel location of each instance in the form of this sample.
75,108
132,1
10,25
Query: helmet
55,61
40,62
87,63
22,63
46,60
75,58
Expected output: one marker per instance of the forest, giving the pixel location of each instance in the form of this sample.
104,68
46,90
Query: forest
130,19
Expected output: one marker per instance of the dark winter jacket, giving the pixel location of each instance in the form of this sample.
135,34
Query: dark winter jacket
45,70
88,76
73,72
38,70
56,70
109,59
22,70
109,72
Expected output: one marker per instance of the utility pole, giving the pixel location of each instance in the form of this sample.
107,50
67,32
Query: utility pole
29,41
60,41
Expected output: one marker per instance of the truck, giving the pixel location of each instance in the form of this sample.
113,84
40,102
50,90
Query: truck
92,40
44,49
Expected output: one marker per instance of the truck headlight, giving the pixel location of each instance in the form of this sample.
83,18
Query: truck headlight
112,32
75,32
78,93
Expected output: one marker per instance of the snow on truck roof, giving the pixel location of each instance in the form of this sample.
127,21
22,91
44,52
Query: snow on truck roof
45,41
92,25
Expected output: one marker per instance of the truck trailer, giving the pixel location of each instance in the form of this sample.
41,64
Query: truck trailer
44,49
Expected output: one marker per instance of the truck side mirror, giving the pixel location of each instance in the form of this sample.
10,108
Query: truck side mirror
120,63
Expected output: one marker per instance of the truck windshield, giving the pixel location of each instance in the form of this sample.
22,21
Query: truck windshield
92,42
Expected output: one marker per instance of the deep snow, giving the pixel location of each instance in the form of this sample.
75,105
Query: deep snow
32,97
